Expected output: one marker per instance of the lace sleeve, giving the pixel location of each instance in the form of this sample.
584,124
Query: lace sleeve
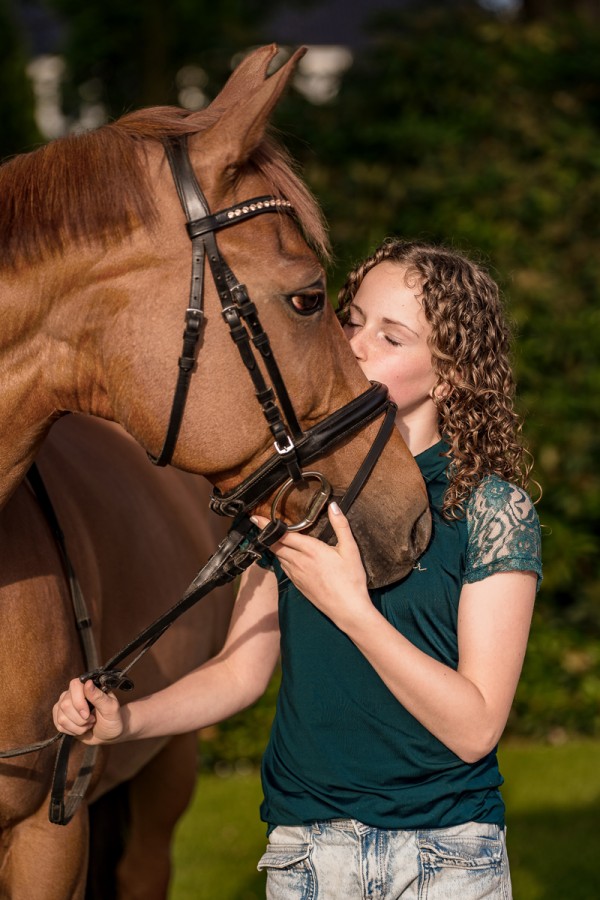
504,531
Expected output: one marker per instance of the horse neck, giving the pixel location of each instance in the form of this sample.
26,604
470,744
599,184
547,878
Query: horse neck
43,373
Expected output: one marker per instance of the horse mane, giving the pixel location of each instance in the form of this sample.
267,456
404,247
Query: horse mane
93,186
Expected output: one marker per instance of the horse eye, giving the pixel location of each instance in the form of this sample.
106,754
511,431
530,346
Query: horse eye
307,304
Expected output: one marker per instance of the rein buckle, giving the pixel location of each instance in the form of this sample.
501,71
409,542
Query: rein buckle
108,680
316,505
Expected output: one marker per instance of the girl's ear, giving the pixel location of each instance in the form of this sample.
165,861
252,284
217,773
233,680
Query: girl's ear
440,391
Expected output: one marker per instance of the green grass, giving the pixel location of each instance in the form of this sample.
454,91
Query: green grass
219,842
553,811
552,797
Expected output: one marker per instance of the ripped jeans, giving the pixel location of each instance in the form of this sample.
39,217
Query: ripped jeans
343,859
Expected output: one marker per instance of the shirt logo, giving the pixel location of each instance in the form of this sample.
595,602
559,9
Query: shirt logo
420,568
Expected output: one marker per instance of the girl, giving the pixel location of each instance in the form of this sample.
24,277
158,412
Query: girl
380,778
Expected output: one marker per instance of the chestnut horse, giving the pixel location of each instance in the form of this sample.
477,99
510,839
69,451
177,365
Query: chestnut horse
136,536
94,276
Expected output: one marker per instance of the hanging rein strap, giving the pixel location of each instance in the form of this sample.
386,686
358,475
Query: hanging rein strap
72,800
82,617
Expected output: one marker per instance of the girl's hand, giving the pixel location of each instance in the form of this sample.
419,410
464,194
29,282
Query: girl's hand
72,715
332,578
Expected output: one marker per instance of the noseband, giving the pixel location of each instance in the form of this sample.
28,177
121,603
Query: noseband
294,448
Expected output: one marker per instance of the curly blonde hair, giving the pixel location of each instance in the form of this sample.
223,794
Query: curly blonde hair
470,346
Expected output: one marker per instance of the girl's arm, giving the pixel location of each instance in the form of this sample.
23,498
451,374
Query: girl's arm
232,680
466,709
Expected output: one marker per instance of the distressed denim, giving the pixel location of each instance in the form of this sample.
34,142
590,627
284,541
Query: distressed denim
343,859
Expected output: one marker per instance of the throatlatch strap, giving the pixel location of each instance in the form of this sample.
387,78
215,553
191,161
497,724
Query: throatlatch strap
194,204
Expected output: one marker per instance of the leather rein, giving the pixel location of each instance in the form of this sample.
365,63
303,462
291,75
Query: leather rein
294,448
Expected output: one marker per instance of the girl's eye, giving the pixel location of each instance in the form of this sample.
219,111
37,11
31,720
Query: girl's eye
393,342
307,304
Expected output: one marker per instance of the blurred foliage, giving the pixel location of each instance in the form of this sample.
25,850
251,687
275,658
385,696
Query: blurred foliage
18,132
559,693
549,9
128,54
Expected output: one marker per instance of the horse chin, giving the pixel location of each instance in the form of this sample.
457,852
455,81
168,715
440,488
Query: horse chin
383,567
386,563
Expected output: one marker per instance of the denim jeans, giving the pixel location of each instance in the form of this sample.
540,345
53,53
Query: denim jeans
343,859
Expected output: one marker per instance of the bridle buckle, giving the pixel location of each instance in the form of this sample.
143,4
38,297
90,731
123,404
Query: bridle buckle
194,319
288,447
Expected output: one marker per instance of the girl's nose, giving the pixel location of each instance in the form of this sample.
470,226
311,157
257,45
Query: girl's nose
358,344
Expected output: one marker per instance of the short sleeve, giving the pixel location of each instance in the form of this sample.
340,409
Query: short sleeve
504,531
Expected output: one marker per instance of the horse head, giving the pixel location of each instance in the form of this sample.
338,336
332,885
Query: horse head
108,281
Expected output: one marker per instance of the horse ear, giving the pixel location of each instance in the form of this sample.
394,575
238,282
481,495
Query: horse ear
241,127
246,77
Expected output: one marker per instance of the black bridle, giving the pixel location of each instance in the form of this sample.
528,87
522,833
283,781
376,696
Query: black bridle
294,448
238,311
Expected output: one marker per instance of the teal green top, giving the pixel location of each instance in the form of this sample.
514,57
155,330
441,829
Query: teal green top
341,745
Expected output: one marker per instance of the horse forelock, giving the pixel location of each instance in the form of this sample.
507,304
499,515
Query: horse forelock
94,186
279,170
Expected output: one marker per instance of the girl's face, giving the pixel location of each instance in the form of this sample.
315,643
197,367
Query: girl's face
388,333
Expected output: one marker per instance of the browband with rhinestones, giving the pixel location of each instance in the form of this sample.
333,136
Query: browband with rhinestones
234,214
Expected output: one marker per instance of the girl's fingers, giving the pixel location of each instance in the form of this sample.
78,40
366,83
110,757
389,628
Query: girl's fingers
76,694
259,521
292,541
73,715
68,719
106,705
343,532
